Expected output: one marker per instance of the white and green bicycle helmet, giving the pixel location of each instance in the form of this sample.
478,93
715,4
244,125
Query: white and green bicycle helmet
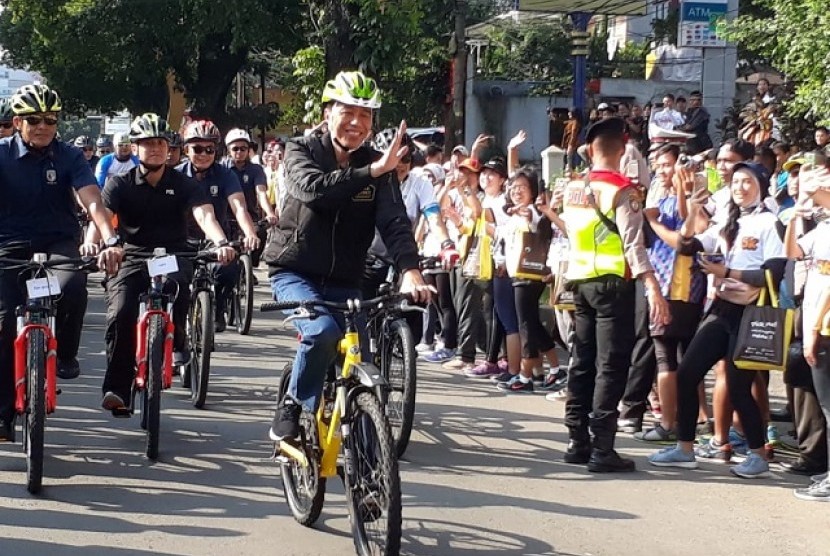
352,88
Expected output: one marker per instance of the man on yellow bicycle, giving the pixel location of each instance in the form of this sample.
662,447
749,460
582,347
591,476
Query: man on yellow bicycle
337,192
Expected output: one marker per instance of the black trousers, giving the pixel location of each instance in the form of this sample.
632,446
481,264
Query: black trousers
123,291
535,339
472,324
446,307
69,319
225,277
821,380
809,422
600,356
715,340
643,361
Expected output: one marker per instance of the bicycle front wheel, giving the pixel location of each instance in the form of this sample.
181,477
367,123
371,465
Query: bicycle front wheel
151,396
398,367
373,486
201,328
244,299
305,489
35,421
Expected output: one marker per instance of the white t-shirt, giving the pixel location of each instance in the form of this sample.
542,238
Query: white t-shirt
757,241
816,247
118,167
418,193
667,118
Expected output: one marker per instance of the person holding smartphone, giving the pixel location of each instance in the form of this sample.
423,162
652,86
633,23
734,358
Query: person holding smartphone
751,240
681,282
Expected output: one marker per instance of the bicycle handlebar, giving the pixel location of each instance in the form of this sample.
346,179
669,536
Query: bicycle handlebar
82,264
203,256
351,305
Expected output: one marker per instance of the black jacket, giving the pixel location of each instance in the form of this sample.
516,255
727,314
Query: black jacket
329,215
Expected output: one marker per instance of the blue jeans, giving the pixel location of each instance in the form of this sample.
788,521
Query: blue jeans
319,337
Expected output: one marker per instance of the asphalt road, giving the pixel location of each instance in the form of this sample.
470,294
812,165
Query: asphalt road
483,475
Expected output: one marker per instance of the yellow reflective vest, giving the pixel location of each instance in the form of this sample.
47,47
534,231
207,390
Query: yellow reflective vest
595,250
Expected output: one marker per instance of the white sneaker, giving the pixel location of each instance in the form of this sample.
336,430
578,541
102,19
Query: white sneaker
424,348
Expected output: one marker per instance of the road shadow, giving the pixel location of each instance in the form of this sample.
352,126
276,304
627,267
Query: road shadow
41,548
429,537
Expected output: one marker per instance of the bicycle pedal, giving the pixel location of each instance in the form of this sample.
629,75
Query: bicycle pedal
122,412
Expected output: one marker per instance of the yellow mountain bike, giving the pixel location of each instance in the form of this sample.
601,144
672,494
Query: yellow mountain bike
351,417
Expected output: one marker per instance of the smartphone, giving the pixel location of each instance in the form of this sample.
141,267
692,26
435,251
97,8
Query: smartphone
632,170
714,258
701,183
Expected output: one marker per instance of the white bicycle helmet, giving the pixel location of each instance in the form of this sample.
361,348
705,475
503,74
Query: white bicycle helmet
235,135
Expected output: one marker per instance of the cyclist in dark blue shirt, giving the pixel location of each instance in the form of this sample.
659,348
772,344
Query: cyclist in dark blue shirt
39,180
224,190
253,181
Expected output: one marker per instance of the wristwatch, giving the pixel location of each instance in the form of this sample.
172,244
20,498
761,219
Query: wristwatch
113,241
222,243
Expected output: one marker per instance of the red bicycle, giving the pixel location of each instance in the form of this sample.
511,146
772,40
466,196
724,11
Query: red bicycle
154,341
35,353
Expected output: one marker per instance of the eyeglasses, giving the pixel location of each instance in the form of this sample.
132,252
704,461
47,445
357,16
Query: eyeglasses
37,120
239,149
199,149
6,125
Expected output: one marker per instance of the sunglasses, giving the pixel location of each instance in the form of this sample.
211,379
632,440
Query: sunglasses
199,149
239,149
37,120
6,125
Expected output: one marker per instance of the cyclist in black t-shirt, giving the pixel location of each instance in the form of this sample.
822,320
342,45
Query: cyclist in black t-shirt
152,202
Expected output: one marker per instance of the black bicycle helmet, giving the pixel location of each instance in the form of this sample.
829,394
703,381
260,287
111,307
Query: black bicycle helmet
103,142
6,112
82,141
176,139
383,139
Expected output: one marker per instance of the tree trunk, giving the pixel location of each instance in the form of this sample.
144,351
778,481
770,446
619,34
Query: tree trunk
215,73
338,45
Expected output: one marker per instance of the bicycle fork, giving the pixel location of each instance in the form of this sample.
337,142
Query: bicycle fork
21,345
141,348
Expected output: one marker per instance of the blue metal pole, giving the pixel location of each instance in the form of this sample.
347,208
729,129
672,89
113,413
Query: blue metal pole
580,22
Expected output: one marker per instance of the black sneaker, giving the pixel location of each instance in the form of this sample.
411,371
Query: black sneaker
578,452
555,381
609,461
219,324
181,358
286,423
68,368
503,377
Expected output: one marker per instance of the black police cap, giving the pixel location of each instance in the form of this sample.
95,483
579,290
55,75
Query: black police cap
611,127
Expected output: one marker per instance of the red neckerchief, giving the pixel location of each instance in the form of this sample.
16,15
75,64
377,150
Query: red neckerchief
608,176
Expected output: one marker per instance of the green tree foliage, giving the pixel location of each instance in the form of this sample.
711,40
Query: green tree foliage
529,51
795,42
105,55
